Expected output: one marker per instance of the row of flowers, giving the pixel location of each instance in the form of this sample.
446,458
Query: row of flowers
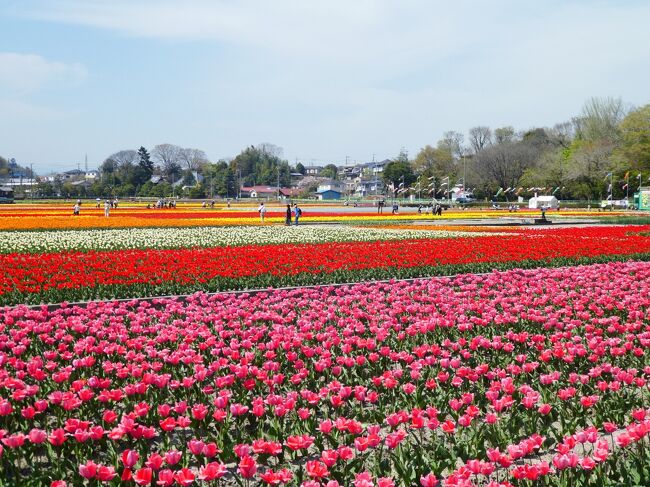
54,277
130,218
497,379
166,238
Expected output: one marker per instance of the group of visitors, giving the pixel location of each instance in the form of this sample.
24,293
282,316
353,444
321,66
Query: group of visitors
163,203
434,209
111,202
297,213
108,204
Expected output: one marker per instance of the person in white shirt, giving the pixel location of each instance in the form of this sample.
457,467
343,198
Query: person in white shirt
262,211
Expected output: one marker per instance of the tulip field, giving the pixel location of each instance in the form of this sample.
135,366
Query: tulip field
51,267
525,377
403,354
30,217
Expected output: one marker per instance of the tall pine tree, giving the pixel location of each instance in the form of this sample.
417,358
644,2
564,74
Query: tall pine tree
145,167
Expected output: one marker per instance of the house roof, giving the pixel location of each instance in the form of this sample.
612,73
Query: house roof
330,182
328,191
290,191
260,189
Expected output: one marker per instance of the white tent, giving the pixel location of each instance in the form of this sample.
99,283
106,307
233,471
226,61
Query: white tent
543,201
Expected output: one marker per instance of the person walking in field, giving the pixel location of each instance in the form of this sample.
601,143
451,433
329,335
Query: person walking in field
262,211
75,209
287,221
297,213
107,208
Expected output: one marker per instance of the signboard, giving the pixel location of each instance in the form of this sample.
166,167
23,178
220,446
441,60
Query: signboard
642,199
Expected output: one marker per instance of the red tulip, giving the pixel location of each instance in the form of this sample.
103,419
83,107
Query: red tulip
105,474
130,458
88,470
247,467
165,478
143,476
184,477
212,471
172,457
316,469
428,480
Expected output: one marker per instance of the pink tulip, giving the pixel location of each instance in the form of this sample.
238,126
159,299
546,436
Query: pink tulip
88,470
428,480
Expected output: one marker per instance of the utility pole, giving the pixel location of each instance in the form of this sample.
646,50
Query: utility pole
464,176
31,170
374,169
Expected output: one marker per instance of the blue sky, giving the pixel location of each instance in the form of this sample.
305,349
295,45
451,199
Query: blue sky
321,79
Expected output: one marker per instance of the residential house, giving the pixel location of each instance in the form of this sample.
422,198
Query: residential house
290,192
259,192
368,187
313,170
330,190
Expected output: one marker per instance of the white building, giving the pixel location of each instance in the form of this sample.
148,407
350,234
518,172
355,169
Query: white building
330,185
537,202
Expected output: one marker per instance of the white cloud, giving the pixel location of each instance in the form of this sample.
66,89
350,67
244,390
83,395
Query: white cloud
356,34
26,73
328,77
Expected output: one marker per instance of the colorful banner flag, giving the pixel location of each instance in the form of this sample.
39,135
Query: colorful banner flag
499,192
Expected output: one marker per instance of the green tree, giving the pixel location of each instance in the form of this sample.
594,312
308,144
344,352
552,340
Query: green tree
330,171
4,168
399,173
600,120
144,169
300,168
634,150
434,161
45,189
261,165
504,134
